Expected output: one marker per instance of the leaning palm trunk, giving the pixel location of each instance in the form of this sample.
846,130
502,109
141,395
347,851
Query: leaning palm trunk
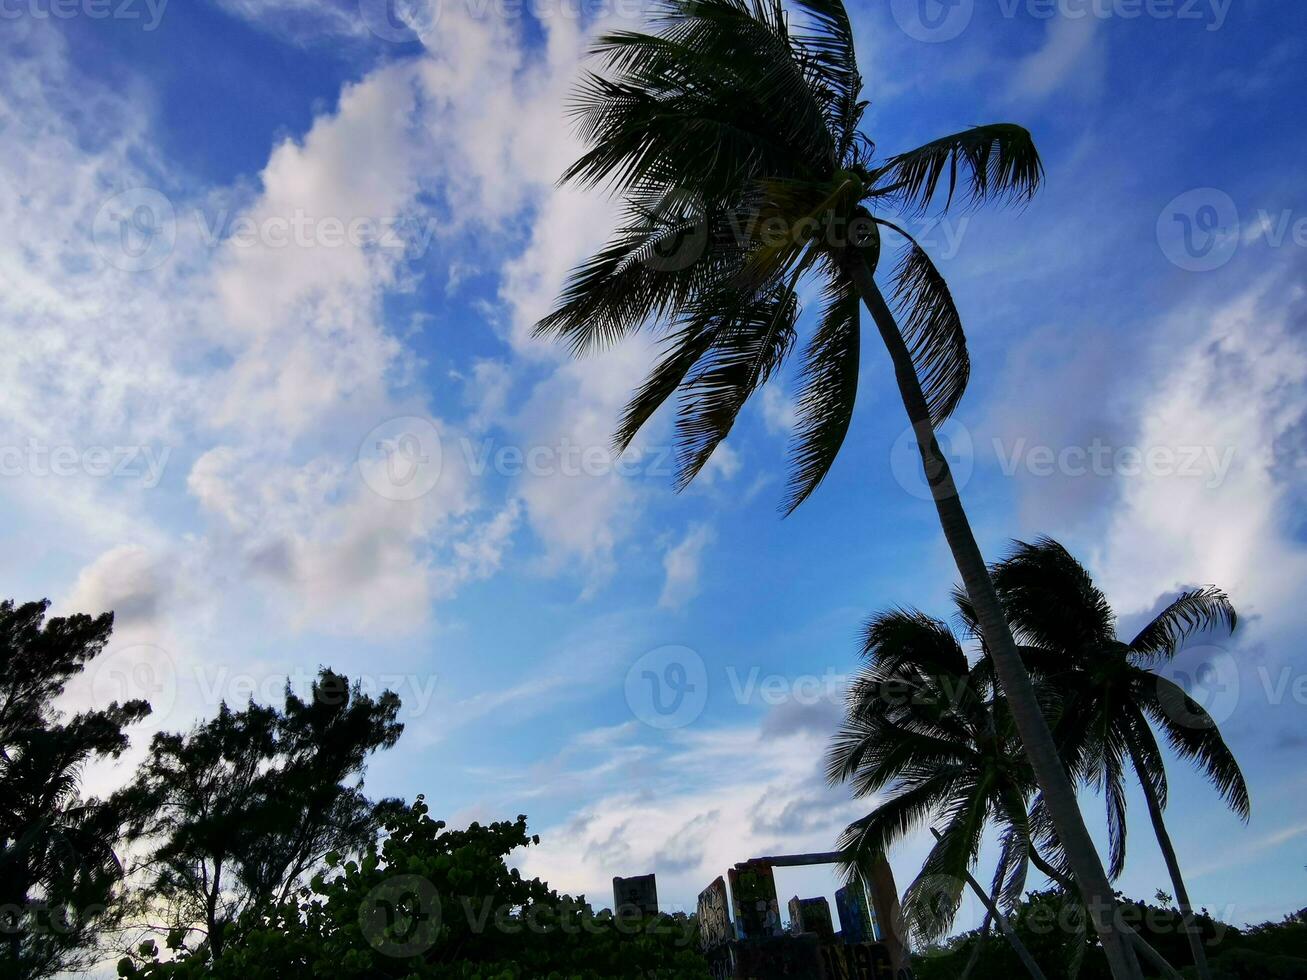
974,958
1036,738
994,914
992,911
1192,932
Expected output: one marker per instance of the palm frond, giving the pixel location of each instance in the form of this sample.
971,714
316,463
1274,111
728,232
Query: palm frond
1013,867
907,637
1112,783
998,162
670,249
931,901
932,329
750,338
1194,735
828,43
872,835
715,97
682,351
1051,601
1195,611
827,393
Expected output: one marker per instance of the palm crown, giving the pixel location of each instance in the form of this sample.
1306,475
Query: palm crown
931,730
1112,697
733,140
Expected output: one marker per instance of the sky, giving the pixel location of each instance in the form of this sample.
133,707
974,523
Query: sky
269,392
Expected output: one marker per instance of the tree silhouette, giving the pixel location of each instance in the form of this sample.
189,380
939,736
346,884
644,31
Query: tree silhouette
431,903
926,736
243,806
1112,696
59,869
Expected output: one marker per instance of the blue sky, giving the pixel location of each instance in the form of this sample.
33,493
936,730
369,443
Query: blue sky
251,241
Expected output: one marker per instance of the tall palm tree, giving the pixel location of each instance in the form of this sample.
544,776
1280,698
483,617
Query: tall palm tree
734,142
924,724
1112,696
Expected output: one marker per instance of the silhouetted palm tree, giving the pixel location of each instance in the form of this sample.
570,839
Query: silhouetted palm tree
1112,696
923,724
735,144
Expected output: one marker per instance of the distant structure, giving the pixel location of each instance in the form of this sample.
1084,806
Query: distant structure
811,915
869,945
855,916
639,892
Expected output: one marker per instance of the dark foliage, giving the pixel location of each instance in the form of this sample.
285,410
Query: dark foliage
59,862
240,809
1047,923
429,902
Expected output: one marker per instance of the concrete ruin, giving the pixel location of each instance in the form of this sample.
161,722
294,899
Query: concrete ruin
639,893
752,946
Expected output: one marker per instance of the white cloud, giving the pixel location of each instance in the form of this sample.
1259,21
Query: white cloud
706,800
127,581
681,567
779,413
1233,384
1068,59
256,363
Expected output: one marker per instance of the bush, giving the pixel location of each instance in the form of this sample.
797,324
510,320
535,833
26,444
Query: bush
428,902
